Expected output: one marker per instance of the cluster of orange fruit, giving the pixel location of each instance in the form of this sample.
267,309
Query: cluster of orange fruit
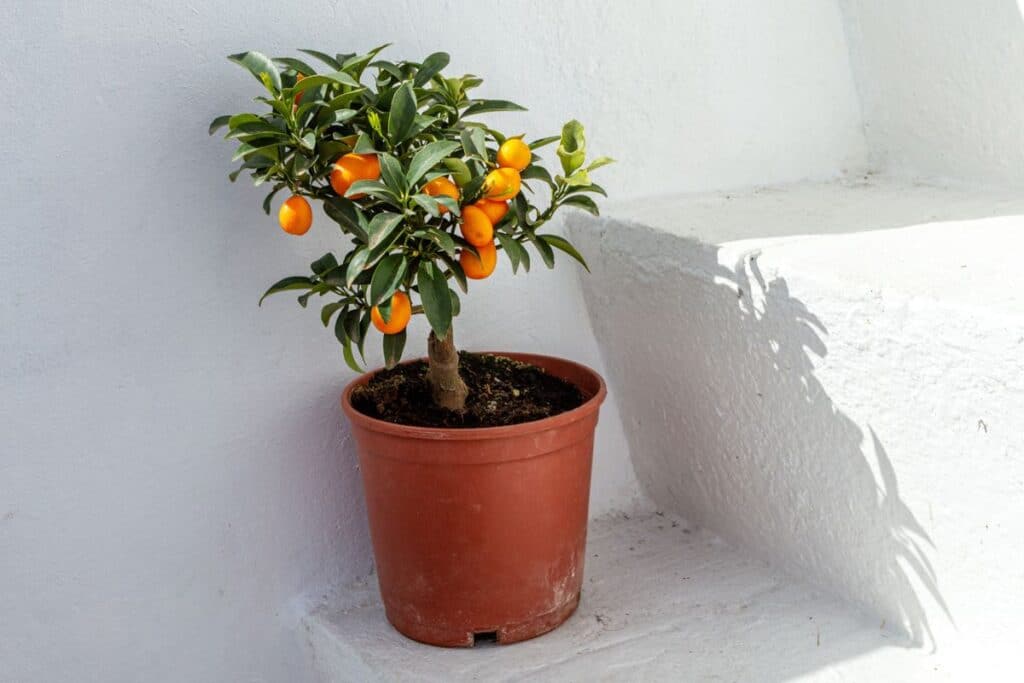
477,223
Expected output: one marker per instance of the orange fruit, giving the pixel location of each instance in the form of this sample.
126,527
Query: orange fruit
295,215
502,183
476,226
351,168
442,186
298,97
479,267
494,209
514,153
401,312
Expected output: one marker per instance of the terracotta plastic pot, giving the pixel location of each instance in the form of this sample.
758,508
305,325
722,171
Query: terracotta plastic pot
480,533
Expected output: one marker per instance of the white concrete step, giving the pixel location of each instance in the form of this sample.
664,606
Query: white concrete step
661,602
832,376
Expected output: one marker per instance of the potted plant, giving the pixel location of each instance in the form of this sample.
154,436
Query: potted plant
476,467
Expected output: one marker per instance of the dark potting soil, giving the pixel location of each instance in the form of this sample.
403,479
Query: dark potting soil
502,392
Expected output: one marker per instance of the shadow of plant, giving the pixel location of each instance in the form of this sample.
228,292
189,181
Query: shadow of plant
714,370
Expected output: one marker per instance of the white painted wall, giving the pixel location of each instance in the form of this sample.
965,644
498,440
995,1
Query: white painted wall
834,381
173,469
940,85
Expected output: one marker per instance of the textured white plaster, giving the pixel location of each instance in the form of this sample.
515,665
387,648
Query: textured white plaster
661,602
939,83
831,376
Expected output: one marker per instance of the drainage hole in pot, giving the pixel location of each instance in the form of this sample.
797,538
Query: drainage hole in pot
485,638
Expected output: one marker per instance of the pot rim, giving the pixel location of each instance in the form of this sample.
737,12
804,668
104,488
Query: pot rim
588,407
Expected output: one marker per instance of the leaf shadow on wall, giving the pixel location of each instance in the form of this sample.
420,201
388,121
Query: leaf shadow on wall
730,427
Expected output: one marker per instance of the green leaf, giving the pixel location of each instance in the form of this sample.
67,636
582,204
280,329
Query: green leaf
437,302
324,263
219,123
394,344
543,142
599,162
456,270
579,178
364,145
374,188
352,328
573,147
456,304
474,143
543,248
327,311
583,202
427,203
347,214
402,114
296,65
562,244
383,230
592,187
260,66
355,64
387,276
391,173
338,77
269,198
329,117
325,58
350,359
245,150
516,253
430,67
356,266
427,157
485,106
538,172
294,282
459,170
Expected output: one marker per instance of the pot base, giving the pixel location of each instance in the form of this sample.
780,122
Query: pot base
459,636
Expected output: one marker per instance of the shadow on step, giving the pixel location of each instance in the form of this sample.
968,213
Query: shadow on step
712,364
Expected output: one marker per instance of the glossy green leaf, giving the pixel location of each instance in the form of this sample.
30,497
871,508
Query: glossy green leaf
387,276
456,271
402,114
543,248
219,123
572,149
427,157
356,265
324,263
437,302
260,66
296,65
288,283
430,67
269,198
325,58
391,173
394,344
329,310
562,244
459,171
347,214
583,202
486,106
543,142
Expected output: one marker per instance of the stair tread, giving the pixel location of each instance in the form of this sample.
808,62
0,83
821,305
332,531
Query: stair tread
661,601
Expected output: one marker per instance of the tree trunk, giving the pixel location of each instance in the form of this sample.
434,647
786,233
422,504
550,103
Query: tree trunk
447,387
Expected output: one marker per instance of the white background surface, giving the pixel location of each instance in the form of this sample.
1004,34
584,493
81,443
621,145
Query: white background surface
173,468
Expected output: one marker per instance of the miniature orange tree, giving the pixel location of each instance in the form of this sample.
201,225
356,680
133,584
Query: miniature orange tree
424,195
